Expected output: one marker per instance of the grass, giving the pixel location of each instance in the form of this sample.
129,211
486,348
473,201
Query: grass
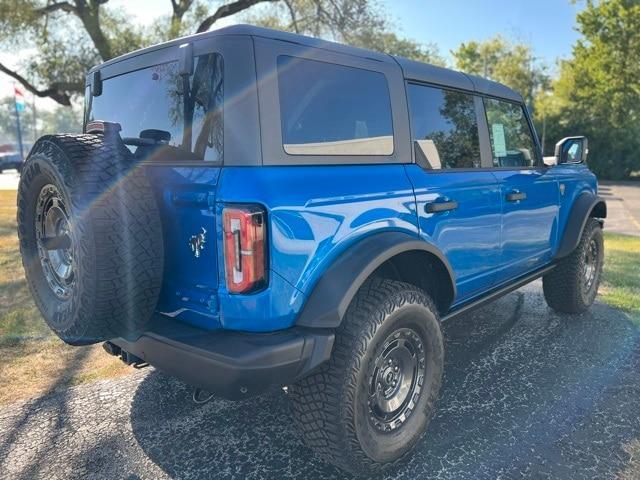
33,360
621,282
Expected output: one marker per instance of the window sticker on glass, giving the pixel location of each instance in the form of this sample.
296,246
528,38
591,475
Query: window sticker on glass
499,142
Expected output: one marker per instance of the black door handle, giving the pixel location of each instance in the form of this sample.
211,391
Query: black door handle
437,207
516,196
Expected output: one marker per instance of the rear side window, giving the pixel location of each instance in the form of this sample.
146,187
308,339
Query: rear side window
329,109
511,139
444,128
165,116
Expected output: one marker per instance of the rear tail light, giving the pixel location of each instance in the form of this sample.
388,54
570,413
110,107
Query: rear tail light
244,248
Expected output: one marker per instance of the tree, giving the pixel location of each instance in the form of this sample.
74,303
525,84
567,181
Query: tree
71,36
360,23
7,120
505,62
68,37
59,119
598,92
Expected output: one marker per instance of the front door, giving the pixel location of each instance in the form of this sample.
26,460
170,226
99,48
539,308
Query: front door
458,202
529,191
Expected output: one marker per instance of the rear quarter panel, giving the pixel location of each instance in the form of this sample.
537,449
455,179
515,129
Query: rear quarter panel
315,213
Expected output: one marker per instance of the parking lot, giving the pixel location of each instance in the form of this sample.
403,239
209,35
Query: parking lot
527,394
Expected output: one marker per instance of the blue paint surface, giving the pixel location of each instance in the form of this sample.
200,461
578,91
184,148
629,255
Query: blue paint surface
316,213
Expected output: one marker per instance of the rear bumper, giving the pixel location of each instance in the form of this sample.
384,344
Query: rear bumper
233,365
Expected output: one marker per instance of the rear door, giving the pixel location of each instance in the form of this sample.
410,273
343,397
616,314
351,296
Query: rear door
529,191
458,201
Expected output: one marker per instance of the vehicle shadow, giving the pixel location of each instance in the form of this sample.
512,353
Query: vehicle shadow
46,415
526,392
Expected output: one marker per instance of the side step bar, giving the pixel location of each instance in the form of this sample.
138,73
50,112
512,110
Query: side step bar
497,293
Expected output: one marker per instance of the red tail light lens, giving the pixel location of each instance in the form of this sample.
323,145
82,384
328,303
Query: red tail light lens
244,248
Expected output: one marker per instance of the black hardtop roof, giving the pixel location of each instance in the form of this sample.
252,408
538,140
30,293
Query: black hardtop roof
416,71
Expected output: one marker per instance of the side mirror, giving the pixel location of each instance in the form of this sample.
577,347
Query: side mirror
572,150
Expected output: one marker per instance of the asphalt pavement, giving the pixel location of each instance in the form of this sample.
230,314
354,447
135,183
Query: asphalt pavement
527,394
623,206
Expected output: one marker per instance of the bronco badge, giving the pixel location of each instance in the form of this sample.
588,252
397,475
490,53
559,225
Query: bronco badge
196,242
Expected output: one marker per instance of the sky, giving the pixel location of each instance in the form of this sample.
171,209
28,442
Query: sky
548,26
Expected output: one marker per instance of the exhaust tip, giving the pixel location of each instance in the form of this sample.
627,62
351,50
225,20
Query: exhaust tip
112,349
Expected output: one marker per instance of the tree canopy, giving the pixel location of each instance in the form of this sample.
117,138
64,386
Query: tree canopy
505,62
596,92
66,38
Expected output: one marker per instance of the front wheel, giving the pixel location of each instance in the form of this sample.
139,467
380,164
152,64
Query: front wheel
371,403
572,286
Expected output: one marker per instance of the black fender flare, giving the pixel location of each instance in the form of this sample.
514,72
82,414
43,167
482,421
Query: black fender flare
586,205
333,293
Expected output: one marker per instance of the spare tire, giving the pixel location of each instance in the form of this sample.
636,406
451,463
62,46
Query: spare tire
90,237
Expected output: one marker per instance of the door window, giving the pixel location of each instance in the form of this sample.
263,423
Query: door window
329,109
511,140
444,128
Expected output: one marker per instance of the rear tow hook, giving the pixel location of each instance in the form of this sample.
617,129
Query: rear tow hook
198,397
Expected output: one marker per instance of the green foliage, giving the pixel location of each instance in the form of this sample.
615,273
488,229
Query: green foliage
505,62
598,92
361,23
58,120
65,39
621,279
388,42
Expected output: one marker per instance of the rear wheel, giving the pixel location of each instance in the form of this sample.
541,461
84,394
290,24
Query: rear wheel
90,238
372,402
572,286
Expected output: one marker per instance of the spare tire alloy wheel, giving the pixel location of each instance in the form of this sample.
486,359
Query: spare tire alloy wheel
90,237
54,241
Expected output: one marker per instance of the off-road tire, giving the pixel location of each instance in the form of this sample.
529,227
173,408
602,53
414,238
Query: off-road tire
116,251
564,288
330,407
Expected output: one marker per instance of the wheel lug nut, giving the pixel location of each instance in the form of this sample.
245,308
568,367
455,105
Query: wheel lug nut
396,368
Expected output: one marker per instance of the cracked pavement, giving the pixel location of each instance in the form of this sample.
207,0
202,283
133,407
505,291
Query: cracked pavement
527,393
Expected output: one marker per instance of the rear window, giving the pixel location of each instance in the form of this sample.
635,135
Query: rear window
329,109
165,116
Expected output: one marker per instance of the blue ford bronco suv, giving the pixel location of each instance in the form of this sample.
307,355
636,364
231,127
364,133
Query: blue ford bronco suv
249,208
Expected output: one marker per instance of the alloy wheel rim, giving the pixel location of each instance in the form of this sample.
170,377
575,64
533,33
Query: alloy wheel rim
55,242
397,380
590,265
